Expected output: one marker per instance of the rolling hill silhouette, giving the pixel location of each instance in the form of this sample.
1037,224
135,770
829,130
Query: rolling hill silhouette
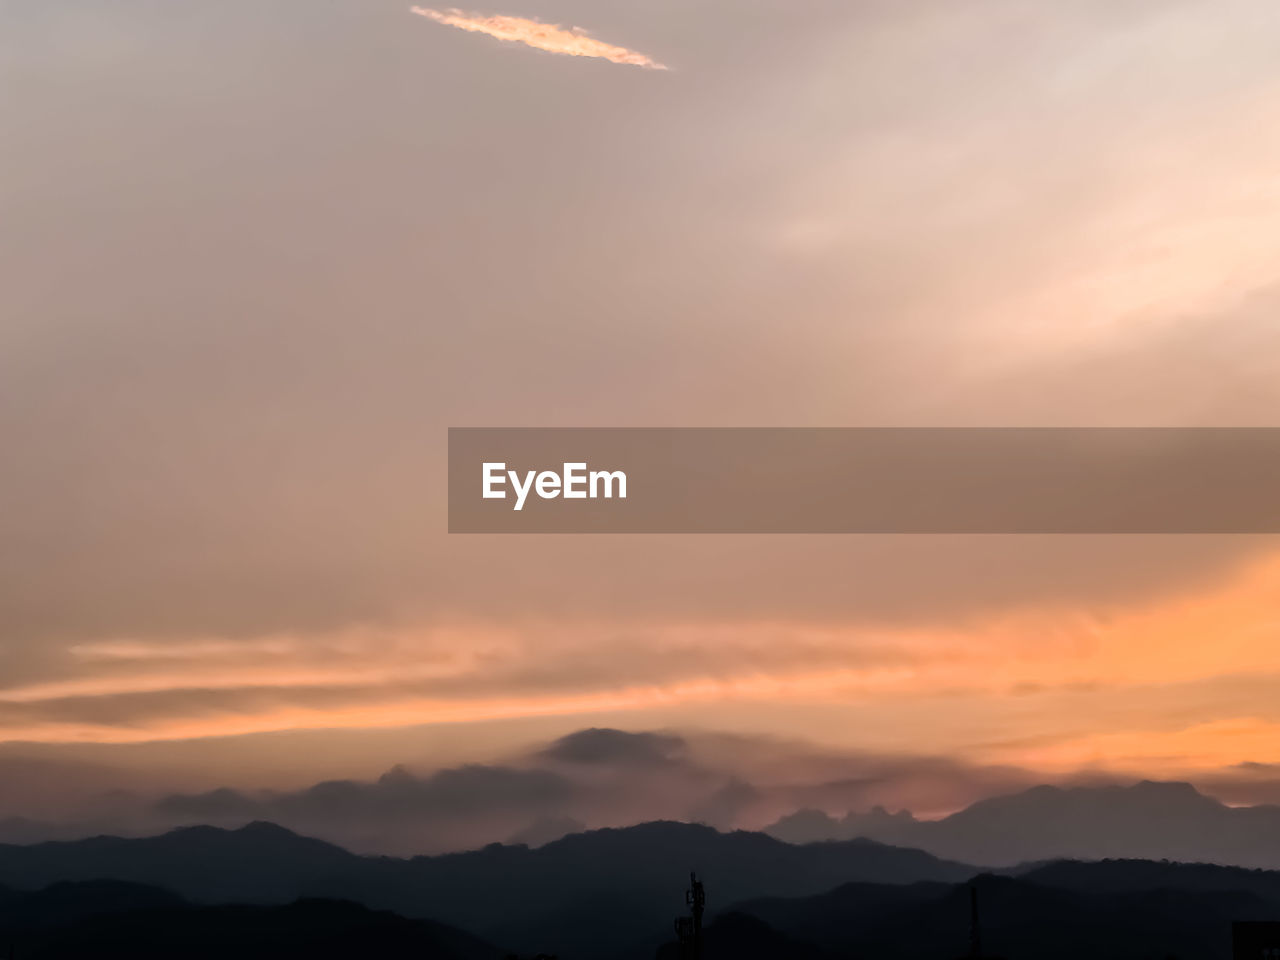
258,863
1133,876
619,887
1019,919
1144,821
107,919
263,891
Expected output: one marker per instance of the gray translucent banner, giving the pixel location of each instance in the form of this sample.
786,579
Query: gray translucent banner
766,480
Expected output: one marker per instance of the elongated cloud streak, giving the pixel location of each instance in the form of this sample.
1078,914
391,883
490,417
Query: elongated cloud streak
572,42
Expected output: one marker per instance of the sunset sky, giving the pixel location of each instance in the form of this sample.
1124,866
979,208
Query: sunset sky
258,255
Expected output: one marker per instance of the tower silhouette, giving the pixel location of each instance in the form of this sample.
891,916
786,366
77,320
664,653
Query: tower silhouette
689,929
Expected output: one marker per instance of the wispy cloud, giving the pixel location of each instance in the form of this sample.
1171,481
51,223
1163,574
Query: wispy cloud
570,41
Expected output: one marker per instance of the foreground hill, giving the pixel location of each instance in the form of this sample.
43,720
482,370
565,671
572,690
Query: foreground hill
259,863
106,919
619,888
1135,876
1144,821
1019,919
610,894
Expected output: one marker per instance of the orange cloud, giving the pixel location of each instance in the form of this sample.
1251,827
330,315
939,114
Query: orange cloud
1200,747
1179,683
572,41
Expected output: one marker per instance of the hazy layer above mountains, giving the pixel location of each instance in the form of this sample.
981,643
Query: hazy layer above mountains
597,778
588,779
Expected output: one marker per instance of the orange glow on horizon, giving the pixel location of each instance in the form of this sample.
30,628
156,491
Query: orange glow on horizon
993,667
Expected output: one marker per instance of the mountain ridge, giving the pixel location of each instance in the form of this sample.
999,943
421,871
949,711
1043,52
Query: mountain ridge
1146,820
622,884
105,918
1018,918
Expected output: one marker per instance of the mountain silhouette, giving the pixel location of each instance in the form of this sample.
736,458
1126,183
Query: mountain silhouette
740,936
619,887
544,831
66,903
26,830
263,891
106,919
1019,918
1145,821
260,862
1133,876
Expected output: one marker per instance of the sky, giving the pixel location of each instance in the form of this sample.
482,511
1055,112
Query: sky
257,257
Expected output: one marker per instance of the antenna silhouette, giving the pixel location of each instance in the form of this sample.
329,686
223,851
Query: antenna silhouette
689,929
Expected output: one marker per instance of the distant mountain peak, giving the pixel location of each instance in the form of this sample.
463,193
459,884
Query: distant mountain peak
1144,791
267,828
1169,788
1147,819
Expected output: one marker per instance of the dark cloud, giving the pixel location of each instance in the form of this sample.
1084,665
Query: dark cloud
616,747
594,777
216,806
727,806
462,791
450,809
589,779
